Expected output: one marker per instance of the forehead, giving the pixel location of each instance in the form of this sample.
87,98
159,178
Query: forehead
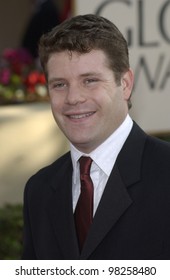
95,59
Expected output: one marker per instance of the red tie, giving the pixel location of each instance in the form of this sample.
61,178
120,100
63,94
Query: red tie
84,208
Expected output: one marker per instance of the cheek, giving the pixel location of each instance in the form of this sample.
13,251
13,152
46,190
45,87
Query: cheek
106,101
56,103
111,105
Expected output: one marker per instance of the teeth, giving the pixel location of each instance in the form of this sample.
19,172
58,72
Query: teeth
80,116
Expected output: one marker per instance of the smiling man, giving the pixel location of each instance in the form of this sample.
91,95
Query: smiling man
108,198
87,103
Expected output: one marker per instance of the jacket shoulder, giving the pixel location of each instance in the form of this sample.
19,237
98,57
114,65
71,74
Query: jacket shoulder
158,147
46,173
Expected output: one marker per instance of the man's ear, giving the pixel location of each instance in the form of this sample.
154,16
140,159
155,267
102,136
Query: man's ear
127,82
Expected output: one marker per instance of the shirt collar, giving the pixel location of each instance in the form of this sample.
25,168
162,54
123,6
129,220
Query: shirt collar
105,155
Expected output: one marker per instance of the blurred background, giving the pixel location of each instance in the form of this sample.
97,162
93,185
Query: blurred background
29,137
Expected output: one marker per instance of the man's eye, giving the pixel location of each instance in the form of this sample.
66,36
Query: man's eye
58,85
91,81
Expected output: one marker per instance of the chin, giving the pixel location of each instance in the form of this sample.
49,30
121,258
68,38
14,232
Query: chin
80,142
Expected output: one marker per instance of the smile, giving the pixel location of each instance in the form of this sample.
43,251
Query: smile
81,116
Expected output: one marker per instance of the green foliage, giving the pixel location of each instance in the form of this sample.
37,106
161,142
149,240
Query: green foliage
11,230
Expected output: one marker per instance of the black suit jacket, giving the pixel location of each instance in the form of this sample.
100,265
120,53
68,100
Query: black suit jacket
132,220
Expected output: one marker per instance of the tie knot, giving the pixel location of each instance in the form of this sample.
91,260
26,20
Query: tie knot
85,164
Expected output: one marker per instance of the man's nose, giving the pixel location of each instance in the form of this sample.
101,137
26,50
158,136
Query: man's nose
75,94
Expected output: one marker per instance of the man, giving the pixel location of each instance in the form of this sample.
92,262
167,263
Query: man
86,64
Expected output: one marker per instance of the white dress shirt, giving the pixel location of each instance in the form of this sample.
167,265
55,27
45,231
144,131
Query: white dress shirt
104,158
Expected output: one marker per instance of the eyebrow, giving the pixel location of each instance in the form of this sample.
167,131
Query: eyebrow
52,80
83,75
91,74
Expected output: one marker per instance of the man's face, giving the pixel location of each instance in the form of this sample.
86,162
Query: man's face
86,103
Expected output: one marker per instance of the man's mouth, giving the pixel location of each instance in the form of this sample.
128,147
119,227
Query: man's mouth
80,116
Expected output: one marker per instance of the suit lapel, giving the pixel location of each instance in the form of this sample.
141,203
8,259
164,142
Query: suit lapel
61,212
116,199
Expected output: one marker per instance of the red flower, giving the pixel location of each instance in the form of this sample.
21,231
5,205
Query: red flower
17,59
33,79
18,56
19,71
